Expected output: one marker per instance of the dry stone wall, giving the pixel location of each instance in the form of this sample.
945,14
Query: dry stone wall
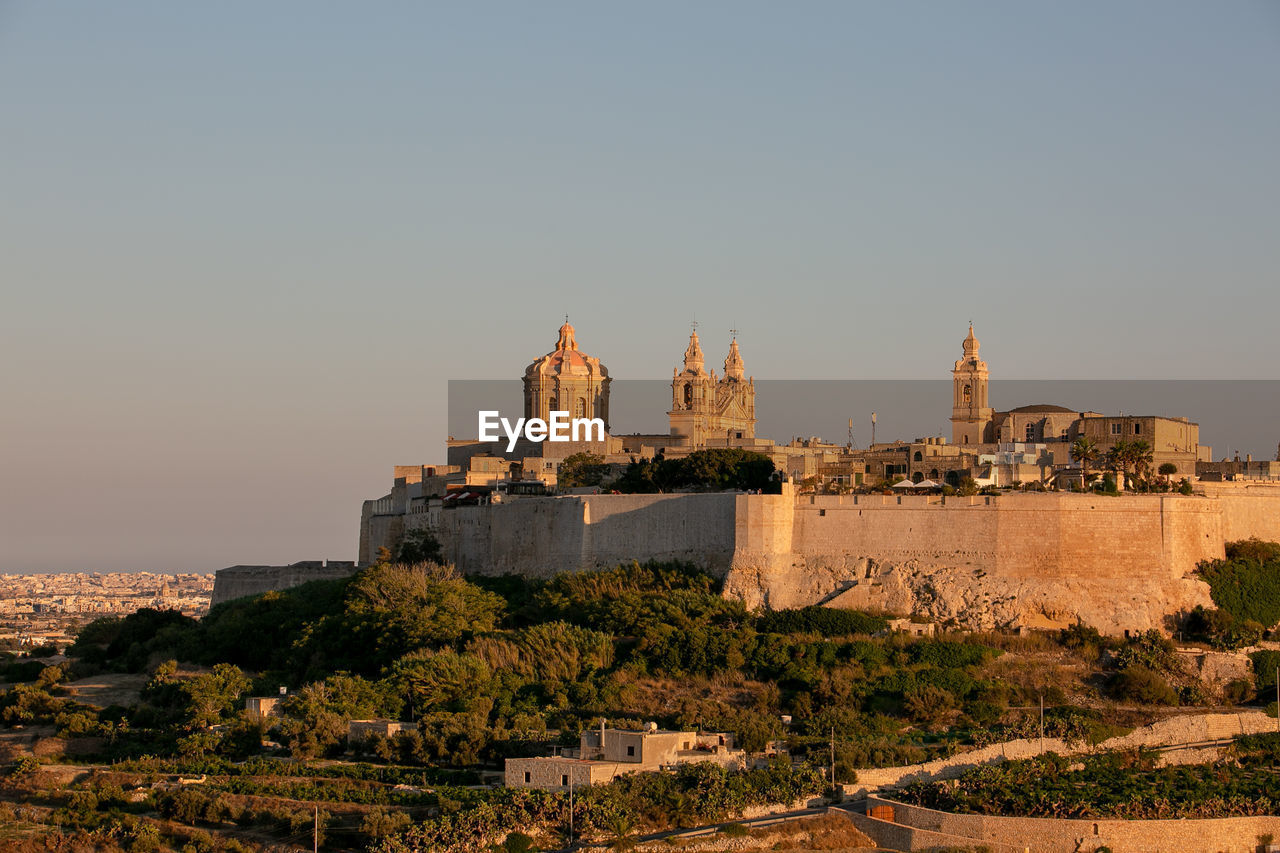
1178,730
916,828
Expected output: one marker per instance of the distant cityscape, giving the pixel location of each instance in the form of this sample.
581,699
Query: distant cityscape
39,609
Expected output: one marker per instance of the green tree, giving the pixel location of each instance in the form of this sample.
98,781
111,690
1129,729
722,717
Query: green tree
419,546
395,609
1084,450
582,469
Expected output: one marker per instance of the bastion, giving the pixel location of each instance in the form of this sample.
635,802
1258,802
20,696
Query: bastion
1046,560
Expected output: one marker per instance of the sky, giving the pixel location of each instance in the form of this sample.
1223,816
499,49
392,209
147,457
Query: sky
244,246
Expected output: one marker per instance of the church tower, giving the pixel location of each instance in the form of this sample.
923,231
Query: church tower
970,412
693,396
568,380
735,400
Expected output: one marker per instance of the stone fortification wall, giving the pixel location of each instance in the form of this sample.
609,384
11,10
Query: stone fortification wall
916,828
241,581
1037,560
1249,509
982,562
543,536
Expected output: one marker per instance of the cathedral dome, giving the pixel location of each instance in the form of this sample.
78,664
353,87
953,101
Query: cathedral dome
566,358
567,379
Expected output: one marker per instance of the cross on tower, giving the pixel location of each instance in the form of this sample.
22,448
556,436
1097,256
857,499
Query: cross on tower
733,332
694,323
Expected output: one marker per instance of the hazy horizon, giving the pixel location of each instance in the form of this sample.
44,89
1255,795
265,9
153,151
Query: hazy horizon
245,247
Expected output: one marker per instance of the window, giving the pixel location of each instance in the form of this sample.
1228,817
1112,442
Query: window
919,457
739,435
688,395
580,410
968,393
1063,435
564,780
1115,429
1137,429
528,777
1031,432
631,750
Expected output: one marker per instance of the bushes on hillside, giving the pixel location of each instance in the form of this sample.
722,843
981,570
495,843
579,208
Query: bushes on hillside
824,621
1246,585
1138,683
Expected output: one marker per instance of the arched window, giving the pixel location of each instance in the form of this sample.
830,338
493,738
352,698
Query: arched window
580,411
968,393
688,395
919,456
551,405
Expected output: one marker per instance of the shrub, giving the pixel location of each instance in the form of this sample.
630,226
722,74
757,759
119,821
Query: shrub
1138,683
1247,583
825,621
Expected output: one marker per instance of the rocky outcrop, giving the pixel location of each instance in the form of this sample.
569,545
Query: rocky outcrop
971,598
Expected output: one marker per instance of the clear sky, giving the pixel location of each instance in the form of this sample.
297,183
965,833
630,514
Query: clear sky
244,245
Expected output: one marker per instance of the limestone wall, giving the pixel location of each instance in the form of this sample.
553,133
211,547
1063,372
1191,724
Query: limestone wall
1038,560
981,562
543,536
1221,835
241,581
1249,509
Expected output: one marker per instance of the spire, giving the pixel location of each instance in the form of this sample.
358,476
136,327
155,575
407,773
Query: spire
971,345
693,360
733,367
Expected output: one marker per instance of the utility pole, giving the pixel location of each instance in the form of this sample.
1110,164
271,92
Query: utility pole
1278,698
571,811
1042,723
833,759
315,833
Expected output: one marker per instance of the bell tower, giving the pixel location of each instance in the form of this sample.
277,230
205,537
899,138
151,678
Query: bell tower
693,396
970,412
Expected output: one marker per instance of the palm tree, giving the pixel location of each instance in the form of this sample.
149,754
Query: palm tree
1141,455
1118,458
1084,451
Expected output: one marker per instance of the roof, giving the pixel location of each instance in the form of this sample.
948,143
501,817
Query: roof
1044,407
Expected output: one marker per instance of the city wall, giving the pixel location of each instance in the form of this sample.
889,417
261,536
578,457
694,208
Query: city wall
1037,560
241,581
541,537
1015,560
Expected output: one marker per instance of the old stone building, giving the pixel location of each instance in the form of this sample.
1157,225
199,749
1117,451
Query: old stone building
705,410
567,380
606,753
1173,440
971,413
